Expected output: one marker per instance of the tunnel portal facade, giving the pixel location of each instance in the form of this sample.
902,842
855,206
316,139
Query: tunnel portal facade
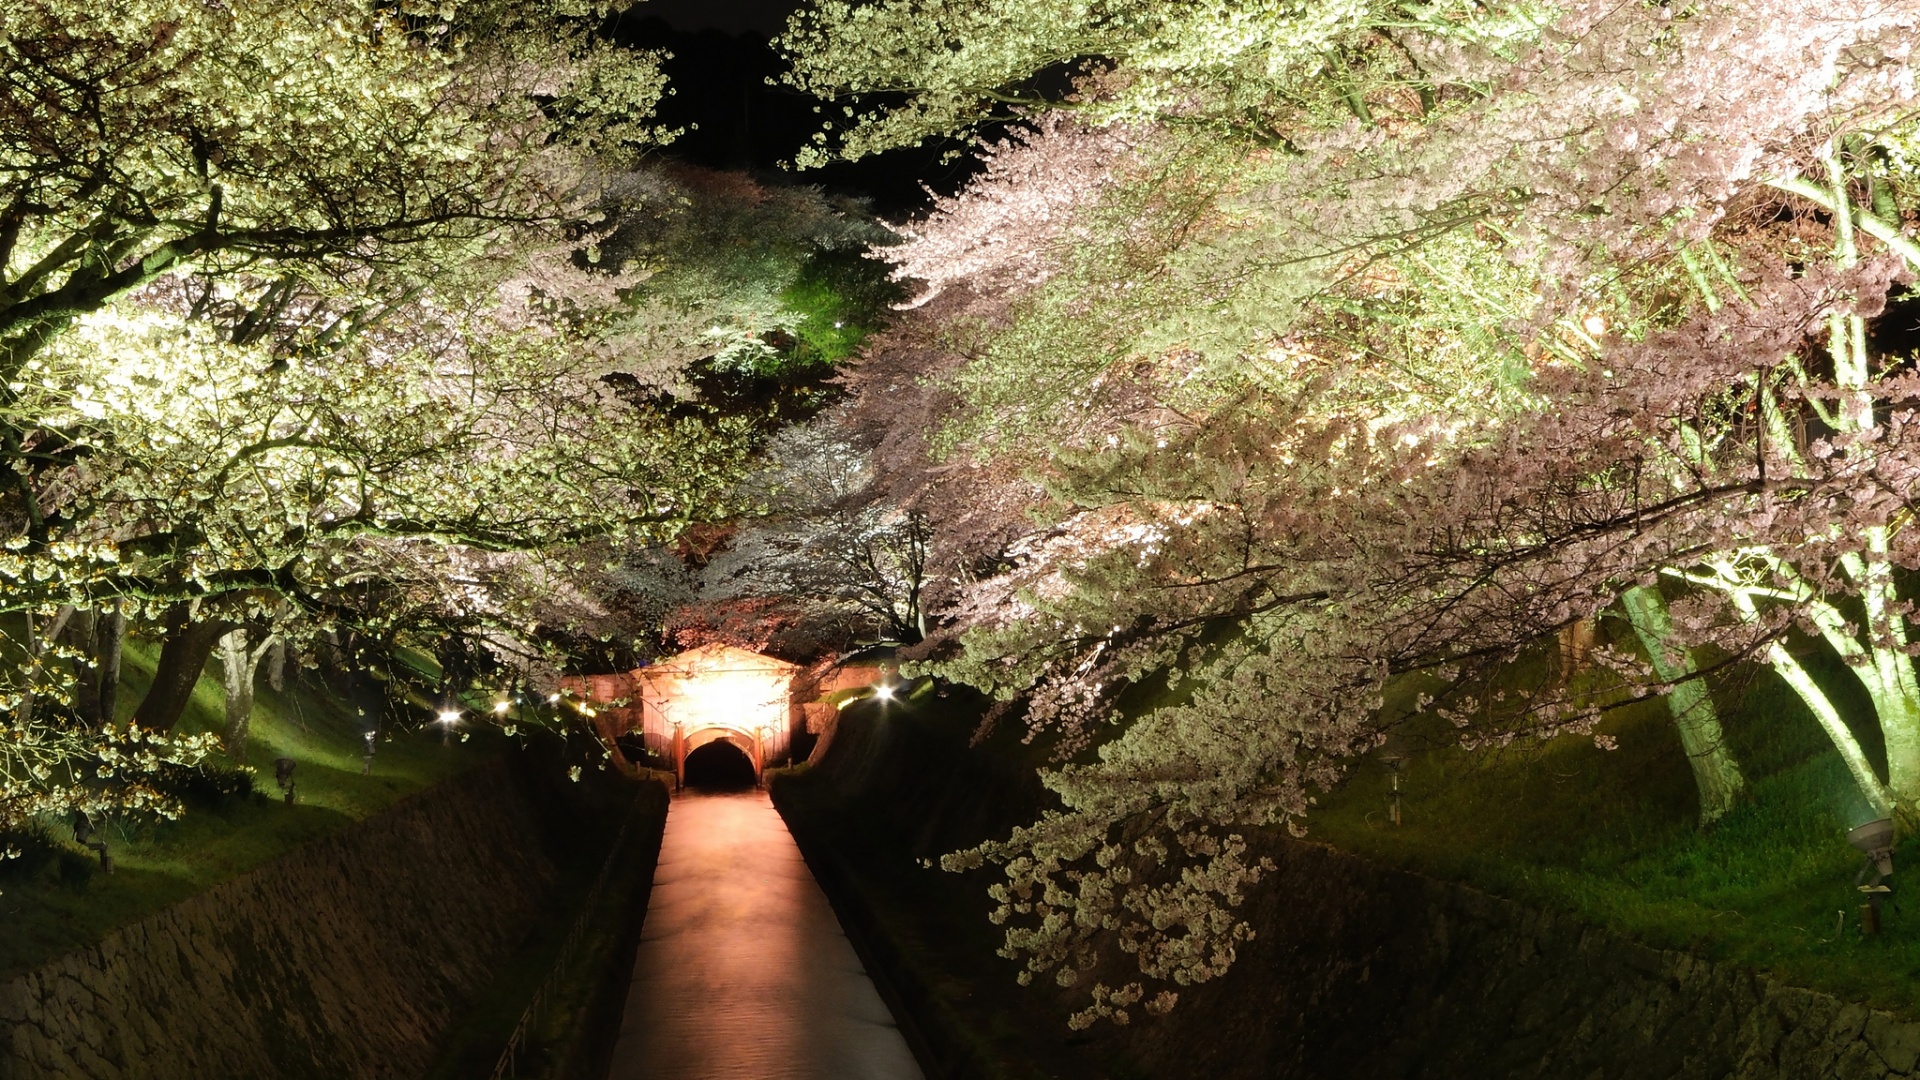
758,703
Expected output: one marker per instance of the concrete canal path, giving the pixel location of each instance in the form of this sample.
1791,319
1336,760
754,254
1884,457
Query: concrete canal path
743,972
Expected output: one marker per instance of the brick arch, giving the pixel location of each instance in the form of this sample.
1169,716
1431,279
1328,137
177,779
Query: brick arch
746,740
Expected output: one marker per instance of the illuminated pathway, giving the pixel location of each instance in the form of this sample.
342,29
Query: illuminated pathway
743,971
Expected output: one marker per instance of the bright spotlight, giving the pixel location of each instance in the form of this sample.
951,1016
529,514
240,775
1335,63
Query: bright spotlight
553,699
450,716
501,707
883,692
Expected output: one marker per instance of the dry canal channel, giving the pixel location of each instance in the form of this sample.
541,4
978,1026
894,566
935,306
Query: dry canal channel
743,971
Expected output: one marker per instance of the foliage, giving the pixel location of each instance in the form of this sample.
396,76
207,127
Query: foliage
730,270
1440,342
914,69
828,542
295,337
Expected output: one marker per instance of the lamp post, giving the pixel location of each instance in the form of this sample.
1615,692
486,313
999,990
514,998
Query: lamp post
1394,763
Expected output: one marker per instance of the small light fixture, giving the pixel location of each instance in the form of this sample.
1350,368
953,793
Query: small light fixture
1875,841
449,717
883,692
1395,763
283,778
500,707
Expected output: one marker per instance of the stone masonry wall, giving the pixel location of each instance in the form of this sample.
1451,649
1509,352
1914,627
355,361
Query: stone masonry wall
346,959
1363,972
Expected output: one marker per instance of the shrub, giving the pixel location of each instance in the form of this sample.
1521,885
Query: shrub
76,869
36,848
204,786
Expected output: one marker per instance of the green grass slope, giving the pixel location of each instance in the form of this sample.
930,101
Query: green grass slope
1612,837
62,905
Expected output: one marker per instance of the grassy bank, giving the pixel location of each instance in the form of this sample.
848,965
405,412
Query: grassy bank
64,903
1612,836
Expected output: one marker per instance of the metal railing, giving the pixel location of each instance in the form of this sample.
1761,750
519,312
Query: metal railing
509,1064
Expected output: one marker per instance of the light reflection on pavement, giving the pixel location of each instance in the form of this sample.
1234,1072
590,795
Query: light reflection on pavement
743,971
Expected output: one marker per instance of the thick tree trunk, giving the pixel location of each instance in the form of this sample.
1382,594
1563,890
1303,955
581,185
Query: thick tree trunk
183,657
236,663
81,630
109,632
277,664
1715,772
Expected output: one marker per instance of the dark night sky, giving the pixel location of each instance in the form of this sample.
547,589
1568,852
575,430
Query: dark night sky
765,17
721,62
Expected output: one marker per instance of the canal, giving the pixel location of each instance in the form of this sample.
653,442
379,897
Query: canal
743,972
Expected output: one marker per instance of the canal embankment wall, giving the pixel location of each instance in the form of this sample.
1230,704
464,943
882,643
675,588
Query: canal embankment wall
1357,971
347,959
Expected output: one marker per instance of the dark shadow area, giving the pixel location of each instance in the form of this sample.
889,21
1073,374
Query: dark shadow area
730,117
719,766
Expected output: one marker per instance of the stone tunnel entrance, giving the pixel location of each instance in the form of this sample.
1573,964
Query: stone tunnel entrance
720,765
659,715
734,701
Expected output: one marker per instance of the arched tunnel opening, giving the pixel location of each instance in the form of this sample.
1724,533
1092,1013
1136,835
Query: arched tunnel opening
719,766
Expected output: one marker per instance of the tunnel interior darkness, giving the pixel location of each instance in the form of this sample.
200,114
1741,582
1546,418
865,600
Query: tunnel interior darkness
719,765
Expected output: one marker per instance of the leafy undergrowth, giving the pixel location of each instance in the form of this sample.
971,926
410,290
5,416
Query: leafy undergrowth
1612,837
65,903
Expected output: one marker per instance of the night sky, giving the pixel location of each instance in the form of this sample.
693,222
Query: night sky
720,66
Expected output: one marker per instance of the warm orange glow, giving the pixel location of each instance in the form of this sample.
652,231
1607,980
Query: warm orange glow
727,694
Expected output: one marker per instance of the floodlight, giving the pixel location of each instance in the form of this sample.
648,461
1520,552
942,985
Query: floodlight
1875,841
1873,838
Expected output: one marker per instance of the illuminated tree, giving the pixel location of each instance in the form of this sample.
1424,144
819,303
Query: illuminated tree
829,541
139,139
1389,378
271,276
726,271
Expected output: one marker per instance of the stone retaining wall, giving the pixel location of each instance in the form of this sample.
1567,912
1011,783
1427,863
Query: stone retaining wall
1363,972
343,960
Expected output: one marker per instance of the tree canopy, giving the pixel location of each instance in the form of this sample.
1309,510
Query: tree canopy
1360,349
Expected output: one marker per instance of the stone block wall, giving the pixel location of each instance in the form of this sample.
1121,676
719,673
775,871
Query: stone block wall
1365,971
347,959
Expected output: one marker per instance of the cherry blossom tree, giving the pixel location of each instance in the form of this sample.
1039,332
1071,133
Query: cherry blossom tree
1479,331
270,277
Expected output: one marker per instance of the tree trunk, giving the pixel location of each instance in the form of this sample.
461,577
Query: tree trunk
236,663
1821,706
183,657
81,631
109,631
1715,772
277,665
